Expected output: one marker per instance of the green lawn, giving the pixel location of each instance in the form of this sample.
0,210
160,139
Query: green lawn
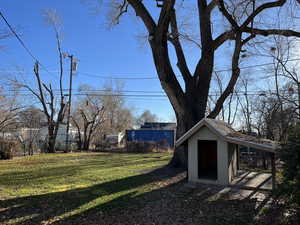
122,189
50,187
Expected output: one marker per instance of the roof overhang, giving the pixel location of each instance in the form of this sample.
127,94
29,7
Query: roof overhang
262,147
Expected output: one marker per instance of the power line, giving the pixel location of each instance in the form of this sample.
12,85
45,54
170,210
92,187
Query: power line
258,93
116,78
88,92
150,78
119,95
106,92
108,77
153,78
257,65
22,42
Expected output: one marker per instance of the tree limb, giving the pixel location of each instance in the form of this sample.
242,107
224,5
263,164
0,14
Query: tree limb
144,14
41,95
174,39
234,75
267,32
227,35
212,5
262,8
227,15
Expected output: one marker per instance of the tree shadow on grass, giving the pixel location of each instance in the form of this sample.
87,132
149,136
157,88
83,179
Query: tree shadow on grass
47,206
54,173
124,201
173,204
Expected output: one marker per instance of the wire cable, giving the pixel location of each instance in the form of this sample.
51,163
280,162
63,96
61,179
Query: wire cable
23,43
156,78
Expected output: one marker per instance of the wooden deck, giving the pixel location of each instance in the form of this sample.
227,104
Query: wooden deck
253,180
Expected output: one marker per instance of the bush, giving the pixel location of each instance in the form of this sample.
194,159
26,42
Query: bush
141,147
7,149
145,147
289,154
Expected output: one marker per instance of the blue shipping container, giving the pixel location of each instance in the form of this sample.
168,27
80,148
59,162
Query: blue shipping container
157,136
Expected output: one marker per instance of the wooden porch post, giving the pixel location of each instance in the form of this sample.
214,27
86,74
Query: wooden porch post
273,170
237,157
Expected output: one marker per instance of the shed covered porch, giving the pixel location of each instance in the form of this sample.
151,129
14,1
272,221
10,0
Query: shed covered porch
250,179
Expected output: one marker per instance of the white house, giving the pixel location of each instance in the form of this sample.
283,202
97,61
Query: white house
61,134
115,139
26,133
213,151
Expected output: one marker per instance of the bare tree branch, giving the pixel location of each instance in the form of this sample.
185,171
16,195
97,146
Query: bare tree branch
182,65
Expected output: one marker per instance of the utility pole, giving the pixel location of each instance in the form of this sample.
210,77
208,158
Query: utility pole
72,68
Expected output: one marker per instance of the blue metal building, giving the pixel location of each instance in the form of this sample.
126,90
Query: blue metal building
165,137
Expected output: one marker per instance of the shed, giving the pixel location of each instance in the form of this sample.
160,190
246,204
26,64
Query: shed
213,151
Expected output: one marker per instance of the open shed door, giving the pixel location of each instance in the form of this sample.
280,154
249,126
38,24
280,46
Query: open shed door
207,160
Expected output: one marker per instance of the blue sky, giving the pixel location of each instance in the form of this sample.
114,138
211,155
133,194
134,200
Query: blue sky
114,52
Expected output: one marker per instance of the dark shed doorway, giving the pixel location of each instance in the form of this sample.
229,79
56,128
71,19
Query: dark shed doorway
207,160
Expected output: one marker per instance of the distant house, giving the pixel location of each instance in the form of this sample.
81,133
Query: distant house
26,133
213,151
161,134
61,134
9,135
21,134
114,139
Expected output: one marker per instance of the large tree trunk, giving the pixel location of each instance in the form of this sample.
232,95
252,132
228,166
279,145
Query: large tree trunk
79,144
52,134
86,143
51,141
85,137
194,112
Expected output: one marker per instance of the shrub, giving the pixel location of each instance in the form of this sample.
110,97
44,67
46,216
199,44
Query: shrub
289,154
141,147
6,149
145,147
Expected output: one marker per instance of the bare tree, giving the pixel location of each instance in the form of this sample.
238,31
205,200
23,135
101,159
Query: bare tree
279,106
146,116
54,113
4,34
9,108
243,24
272,119
88,118
117,116
30,121
246,104
286,72
46,98
230,108
31,117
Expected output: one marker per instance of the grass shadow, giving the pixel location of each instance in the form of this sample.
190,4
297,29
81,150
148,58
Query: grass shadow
50,173
133,200
172,204
45,207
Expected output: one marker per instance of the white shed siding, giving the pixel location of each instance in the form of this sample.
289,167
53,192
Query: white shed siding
223,176
232,161
205,134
